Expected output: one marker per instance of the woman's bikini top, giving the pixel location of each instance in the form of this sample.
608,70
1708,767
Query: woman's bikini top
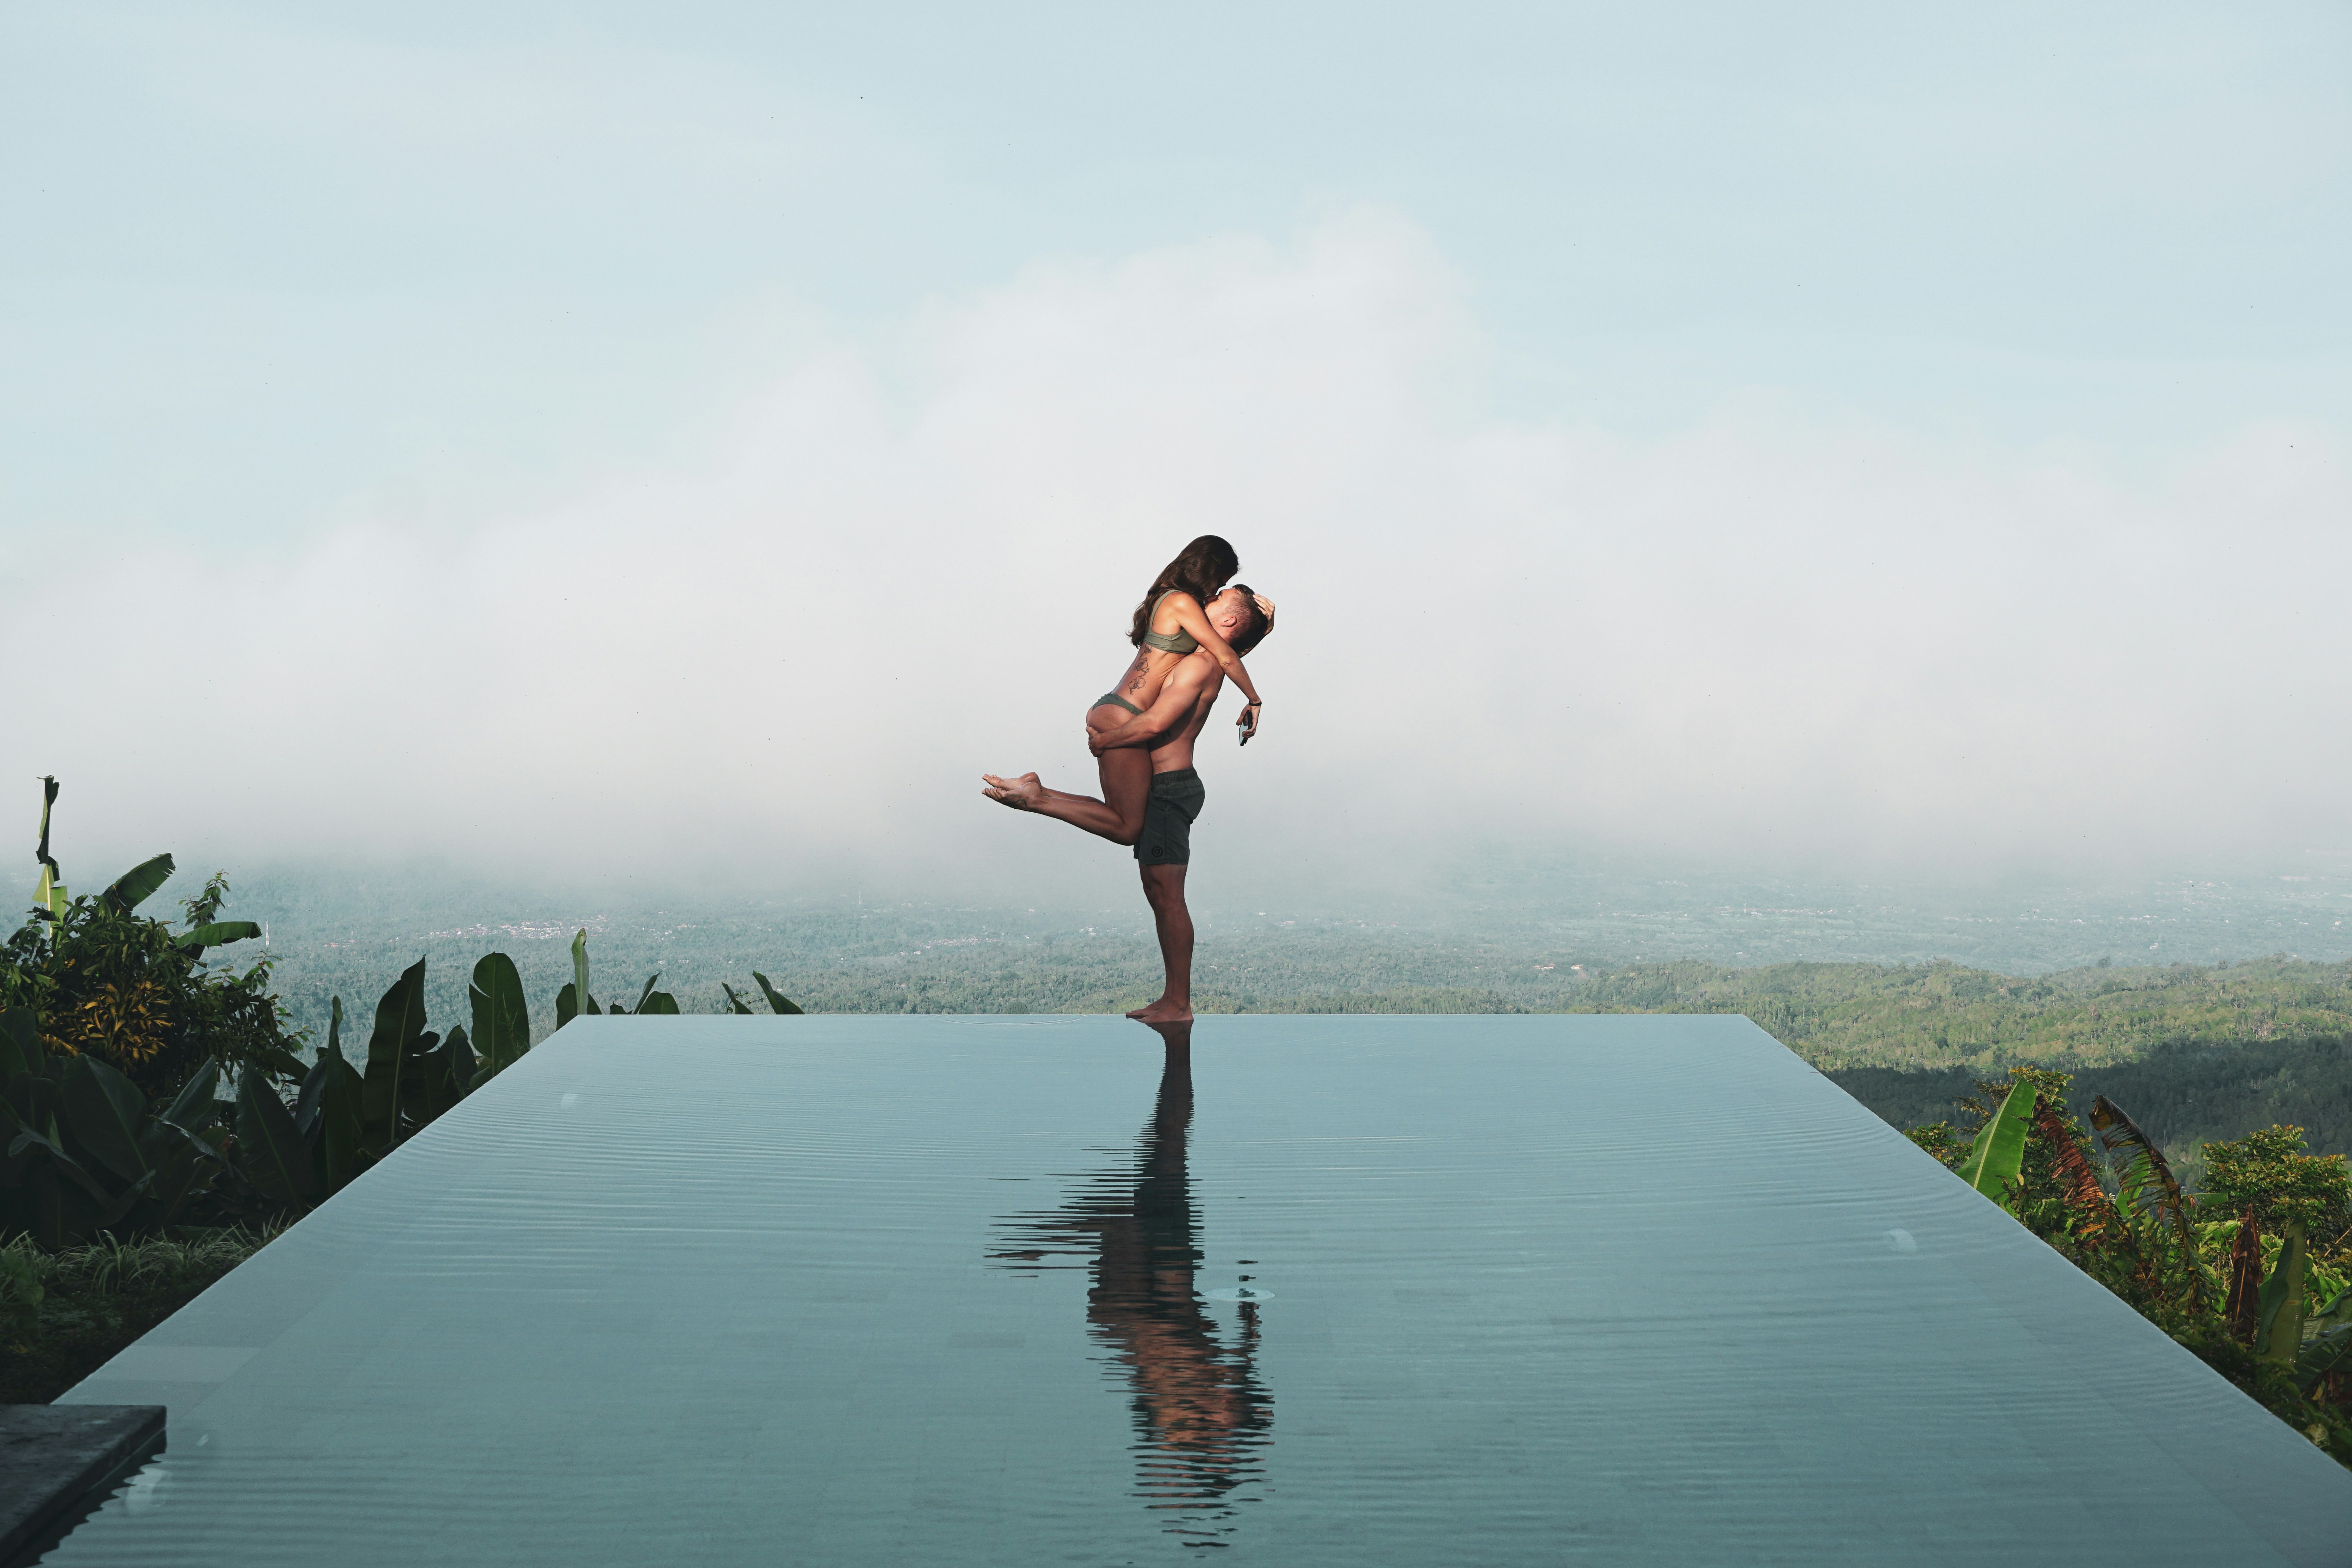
1179,641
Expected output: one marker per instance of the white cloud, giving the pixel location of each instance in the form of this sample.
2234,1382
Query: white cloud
1765,635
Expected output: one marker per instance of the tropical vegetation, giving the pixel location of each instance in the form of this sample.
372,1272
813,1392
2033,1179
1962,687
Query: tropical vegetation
2252,1273
146,1092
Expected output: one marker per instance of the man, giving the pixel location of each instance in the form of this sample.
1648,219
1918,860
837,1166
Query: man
1163,842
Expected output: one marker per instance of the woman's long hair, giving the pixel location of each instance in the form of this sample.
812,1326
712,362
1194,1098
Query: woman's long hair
1200,569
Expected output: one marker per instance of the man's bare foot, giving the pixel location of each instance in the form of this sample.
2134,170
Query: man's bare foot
1023,794
1148,1006
1163,1012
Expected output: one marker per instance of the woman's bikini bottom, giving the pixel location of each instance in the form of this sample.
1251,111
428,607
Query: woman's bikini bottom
1115,697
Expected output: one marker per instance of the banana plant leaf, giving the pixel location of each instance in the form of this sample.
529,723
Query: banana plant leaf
185,1167
502,1016
777,1000
66,1212
650,1001
48,799
2076,1178
399,1029
568,1007
462,1061
102,1108
2337,1311
2146,1190
20,1043
328,1117
32,1137
734,1003
583,999
2278,1323
198,1105
217,933
132,888
440,1077
308,1099
35,1099
1998,1152
2330,1352
270,1147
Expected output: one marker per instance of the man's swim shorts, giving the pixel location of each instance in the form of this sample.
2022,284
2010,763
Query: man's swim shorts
1168,817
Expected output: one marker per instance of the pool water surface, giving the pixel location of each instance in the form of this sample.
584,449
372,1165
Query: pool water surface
1298,1291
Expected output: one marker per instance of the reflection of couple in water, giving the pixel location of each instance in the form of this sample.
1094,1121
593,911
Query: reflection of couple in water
1200,1415
1189,633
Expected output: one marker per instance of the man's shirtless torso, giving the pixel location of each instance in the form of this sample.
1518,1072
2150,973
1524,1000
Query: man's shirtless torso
1197,674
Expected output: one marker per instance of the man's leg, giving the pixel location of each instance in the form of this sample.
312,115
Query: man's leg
1163,888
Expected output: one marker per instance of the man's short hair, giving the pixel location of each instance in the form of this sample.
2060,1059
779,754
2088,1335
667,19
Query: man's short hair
1256,622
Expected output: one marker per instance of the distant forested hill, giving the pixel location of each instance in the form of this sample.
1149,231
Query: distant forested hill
2184,1095
1939,1015
2203,1051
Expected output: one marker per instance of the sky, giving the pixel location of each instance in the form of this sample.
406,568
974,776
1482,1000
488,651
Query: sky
695,441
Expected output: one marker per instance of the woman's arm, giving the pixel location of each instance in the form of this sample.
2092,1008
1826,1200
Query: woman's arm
1190,617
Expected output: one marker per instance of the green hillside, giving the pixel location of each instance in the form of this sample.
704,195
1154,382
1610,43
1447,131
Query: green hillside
1940,1015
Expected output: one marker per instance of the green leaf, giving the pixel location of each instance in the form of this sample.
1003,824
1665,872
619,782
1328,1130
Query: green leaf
658,1002
502,1016
197,1104
20,1043
645,993
185,1167
102,1107
1998,1152
29,1137
439,1078
734,1003
2146,1189
48,799
338,1132
272,1152
2278,1325
582,998
2328,1352
218,933
777,1000
132,888
399,1027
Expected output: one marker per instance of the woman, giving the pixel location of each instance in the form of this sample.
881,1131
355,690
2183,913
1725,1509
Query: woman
1170,623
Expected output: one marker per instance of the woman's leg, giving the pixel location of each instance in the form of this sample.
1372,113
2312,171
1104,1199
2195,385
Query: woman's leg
1121,823
1125,775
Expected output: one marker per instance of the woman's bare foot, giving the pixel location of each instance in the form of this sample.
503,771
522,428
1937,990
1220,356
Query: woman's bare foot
1148,1006
1163,1012
1023,794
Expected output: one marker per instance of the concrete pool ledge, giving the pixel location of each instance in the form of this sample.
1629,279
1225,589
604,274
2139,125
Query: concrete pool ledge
56,1459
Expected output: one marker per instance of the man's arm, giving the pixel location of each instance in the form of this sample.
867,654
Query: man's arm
1179,694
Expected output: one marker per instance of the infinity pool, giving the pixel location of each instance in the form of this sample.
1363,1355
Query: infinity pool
1346,1290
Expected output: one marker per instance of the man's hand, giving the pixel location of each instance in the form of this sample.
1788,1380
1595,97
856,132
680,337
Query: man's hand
1134,733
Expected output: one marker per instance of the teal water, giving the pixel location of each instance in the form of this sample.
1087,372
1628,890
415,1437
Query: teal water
1361,1290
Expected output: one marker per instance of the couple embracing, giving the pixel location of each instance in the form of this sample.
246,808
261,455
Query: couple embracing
1189,634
